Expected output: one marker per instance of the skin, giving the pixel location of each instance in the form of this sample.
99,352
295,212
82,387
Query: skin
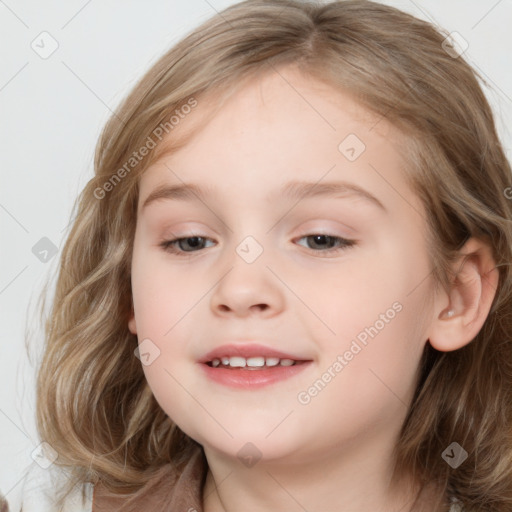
333,453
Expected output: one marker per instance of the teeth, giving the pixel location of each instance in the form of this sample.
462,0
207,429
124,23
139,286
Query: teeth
256,361
252,362
239,362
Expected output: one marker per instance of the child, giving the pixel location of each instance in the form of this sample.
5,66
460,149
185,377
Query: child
263,371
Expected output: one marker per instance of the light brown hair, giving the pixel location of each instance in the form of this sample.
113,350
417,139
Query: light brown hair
94,405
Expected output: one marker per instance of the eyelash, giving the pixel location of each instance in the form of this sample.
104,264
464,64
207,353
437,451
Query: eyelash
168,245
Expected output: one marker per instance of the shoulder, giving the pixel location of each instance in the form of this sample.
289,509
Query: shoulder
173,487
37,492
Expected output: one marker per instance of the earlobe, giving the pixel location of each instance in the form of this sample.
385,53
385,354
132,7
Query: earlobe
131,323
469,302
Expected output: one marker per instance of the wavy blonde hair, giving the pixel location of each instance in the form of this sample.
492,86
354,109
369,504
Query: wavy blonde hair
94,406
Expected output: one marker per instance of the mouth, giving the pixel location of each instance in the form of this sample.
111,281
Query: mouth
250,366
252,373
252,363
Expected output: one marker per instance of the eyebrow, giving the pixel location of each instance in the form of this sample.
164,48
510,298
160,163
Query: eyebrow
295,190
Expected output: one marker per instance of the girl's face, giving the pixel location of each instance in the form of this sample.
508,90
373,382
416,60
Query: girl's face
359,311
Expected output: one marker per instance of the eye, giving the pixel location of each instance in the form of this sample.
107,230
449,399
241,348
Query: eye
190,241
194,243
321,240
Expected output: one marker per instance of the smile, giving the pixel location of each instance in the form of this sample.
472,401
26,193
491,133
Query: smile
251,363
248,377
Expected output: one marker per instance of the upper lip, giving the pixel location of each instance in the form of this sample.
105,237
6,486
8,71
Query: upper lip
247,350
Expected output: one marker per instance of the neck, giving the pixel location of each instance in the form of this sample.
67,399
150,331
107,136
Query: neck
318,485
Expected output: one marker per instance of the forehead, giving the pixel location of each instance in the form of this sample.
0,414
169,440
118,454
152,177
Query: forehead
275,128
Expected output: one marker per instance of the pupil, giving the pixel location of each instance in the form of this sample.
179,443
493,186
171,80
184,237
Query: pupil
321,238
195,241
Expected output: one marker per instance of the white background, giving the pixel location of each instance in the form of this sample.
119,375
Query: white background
52,111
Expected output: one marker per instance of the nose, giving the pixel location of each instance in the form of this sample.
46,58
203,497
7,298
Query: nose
254,307
248,290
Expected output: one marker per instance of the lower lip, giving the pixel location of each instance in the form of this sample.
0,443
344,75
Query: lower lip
251,379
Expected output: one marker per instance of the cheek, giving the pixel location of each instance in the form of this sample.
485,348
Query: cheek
374,380
163,306
162,293
375,305
350,296
169,387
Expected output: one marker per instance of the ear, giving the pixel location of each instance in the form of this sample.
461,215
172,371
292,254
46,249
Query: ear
131,322
459,315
